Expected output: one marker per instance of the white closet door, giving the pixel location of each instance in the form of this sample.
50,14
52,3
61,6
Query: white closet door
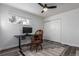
52,30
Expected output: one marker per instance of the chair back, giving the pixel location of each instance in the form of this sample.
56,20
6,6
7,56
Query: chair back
40,34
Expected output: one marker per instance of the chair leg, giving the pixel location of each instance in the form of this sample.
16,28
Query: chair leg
31,48
41,47
36,48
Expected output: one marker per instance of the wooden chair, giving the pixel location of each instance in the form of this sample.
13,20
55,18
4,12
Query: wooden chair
37,40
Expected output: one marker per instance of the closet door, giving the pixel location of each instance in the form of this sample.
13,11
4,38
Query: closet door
52,30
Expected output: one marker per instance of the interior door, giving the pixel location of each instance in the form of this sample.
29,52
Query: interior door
52,30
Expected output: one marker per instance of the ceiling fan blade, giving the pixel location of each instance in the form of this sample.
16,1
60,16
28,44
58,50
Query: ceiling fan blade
42,11
52,7
45,5
41,4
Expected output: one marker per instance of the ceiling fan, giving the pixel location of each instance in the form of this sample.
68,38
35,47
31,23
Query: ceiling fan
45,7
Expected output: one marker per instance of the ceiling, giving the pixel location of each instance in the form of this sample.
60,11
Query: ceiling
36,9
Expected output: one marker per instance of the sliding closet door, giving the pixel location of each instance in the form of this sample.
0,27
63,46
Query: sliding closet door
52,30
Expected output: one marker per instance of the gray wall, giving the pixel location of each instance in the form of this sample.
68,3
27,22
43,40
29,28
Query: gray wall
8,30
69,27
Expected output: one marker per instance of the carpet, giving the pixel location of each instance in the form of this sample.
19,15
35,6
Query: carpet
46,52
50,48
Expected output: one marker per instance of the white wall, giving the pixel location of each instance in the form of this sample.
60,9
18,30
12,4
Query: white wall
69,27
8,30
52,30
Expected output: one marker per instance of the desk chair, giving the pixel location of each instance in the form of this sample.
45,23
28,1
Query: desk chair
37,40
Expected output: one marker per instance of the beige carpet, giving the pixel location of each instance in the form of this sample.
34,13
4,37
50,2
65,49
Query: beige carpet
46,52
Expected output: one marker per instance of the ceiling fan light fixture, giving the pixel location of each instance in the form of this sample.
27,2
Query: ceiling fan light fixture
45,9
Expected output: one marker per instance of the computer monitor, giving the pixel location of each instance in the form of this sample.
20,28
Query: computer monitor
27,30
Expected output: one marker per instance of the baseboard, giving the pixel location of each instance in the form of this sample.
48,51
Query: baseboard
52,41
68,44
